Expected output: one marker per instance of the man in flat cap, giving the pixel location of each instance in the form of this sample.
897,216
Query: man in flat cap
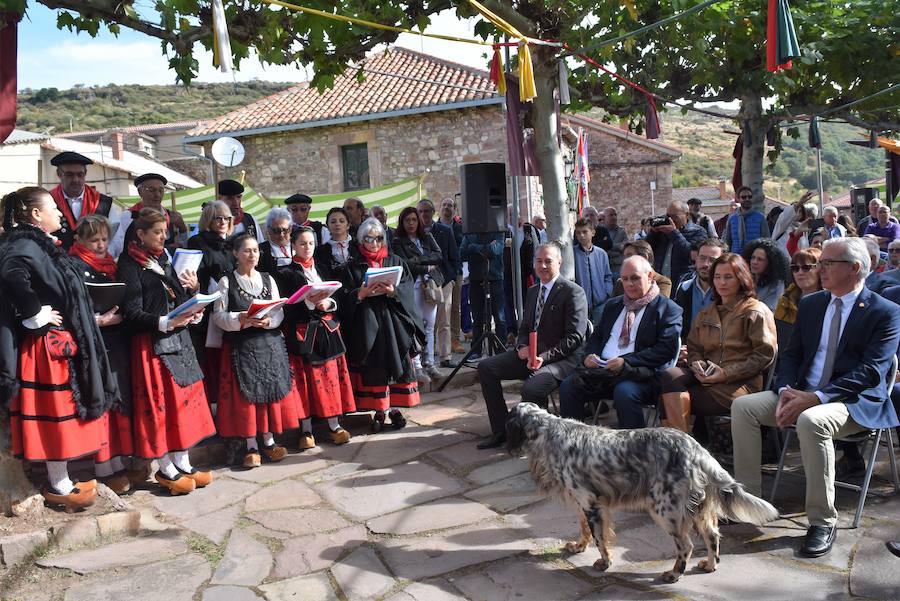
701,219
151,187
231,192
299,206
75,199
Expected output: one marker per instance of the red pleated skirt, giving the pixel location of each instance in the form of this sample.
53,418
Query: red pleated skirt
381,398
238,417
326,387
43,419
118,432
166,417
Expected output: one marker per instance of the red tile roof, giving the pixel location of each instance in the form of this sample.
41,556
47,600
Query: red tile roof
395,80
150,128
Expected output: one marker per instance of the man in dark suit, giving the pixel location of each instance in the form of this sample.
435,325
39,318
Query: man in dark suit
556,309
830,383
449,266
637,335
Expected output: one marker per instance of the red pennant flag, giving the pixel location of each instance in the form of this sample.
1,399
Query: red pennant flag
652,126
781,42
8,46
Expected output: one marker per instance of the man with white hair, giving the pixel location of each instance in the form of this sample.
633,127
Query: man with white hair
830,383
872,217
637,335
832,227
884,230
894,255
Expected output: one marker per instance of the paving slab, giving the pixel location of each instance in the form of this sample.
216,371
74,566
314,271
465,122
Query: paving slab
508,494
465,455
788,545
471,423
369,494
338,470
230,593
553,523
16,548
361,575
120,522
399,446
875,571
76,533
624,593
495,472
216,525
430,414
119,555
182,577
290,466
315,587
423,557
341,453
447,395
300,521
436,589
436,515
218,495
314,552
246,562
522,580
260,531
283,495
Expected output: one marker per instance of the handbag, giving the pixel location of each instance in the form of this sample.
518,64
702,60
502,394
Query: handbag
431,292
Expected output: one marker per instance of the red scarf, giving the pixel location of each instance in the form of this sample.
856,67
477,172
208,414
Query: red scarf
143,256
375,259
305,264
90,199
238,216
105,265
136,209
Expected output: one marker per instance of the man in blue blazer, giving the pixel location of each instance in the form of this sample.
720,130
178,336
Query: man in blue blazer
830,382
630,368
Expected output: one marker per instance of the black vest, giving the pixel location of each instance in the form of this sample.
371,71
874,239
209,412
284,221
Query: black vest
66,232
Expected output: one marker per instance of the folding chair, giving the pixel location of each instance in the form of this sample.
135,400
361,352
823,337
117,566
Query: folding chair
553,404
872,437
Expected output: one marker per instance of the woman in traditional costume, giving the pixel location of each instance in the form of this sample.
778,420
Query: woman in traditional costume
170,412
54,371
315,344
257,396
90,252
335,254
383,331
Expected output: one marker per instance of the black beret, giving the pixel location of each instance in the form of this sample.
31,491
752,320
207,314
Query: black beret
142,178
229,187
694,201
70,157
297,198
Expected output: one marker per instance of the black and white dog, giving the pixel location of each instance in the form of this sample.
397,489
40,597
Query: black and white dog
660,470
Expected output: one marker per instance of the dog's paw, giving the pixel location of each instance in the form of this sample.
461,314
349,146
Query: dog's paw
670,576
706,566
601,565
575,546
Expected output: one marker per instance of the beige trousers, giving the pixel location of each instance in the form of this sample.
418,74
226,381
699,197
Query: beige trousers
442,323
816,427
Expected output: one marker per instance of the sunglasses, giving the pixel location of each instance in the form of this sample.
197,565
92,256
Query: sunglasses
373,239
222,219
280,230
796,268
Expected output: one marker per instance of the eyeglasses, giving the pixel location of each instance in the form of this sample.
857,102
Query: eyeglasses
373,239
153,190
280,230
796,268
745,197
830,262
222,219
895,250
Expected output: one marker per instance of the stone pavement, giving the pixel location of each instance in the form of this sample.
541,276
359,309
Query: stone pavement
421,515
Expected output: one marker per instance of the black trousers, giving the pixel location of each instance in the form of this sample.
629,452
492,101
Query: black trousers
507,366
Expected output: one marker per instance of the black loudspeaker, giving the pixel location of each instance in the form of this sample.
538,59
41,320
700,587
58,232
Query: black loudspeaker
483,207
859,200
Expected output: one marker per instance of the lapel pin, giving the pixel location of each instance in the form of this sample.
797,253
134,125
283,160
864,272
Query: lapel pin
862,305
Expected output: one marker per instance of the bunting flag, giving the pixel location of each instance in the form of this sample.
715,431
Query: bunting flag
8,49
221,41
738,155
815,141
564,98
781,45
527,89
582,173
190,202
497,75
651,126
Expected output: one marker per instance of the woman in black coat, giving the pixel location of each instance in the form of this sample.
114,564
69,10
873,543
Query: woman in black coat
56,378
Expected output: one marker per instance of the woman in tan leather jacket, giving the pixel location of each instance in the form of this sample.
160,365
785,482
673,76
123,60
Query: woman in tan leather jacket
731,344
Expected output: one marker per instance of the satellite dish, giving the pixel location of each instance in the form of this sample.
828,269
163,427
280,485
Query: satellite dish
228,152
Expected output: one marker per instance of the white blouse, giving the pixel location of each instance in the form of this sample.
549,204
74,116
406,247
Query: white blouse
253,284
312,277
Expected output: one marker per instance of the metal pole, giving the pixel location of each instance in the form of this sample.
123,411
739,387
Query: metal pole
652,202
889,192
819,179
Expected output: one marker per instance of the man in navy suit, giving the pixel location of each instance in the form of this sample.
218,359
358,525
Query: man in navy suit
631,361
830,383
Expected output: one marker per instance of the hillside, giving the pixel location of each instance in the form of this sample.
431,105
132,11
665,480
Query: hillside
706,146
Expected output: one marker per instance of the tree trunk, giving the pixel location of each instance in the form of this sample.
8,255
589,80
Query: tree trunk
753,127
556,198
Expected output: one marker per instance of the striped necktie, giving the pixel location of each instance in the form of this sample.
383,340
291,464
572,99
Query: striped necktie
542,294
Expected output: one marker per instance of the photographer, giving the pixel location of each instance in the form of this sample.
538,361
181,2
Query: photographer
671,237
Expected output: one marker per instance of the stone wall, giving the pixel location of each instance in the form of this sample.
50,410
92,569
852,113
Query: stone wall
309,160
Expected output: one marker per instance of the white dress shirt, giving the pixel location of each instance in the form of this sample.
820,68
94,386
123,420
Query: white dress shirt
340,250
76,205
253,284
818,362
612,348
283,255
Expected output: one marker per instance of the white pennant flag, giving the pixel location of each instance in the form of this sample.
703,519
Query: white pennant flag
221,41
563,84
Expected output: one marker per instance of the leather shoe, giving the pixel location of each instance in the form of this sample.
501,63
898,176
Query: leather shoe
894,547
818,541
497,440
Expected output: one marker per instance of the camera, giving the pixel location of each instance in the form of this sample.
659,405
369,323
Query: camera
659,220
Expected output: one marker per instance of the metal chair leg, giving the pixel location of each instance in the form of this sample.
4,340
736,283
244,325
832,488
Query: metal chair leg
894,475
864,489
784,449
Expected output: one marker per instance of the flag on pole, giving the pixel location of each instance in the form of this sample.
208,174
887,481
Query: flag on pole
9,21
582,173
815,140
221,41
781,45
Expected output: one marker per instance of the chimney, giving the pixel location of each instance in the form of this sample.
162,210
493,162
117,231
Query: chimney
118,146
723,189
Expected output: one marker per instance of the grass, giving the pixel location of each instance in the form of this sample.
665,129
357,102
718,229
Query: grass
207,549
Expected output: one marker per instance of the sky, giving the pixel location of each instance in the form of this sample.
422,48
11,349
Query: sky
49,57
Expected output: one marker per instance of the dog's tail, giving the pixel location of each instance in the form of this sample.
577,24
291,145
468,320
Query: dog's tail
734,502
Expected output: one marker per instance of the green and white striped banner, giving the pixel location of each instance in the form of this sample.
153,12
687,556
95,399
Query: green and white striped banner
393,197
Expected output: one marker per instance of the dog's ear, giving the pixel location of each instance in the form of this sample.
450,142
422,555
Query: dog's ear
515,430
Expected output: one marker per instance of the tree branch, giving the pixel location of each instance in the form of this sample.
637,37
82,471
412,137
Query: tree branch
505,11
